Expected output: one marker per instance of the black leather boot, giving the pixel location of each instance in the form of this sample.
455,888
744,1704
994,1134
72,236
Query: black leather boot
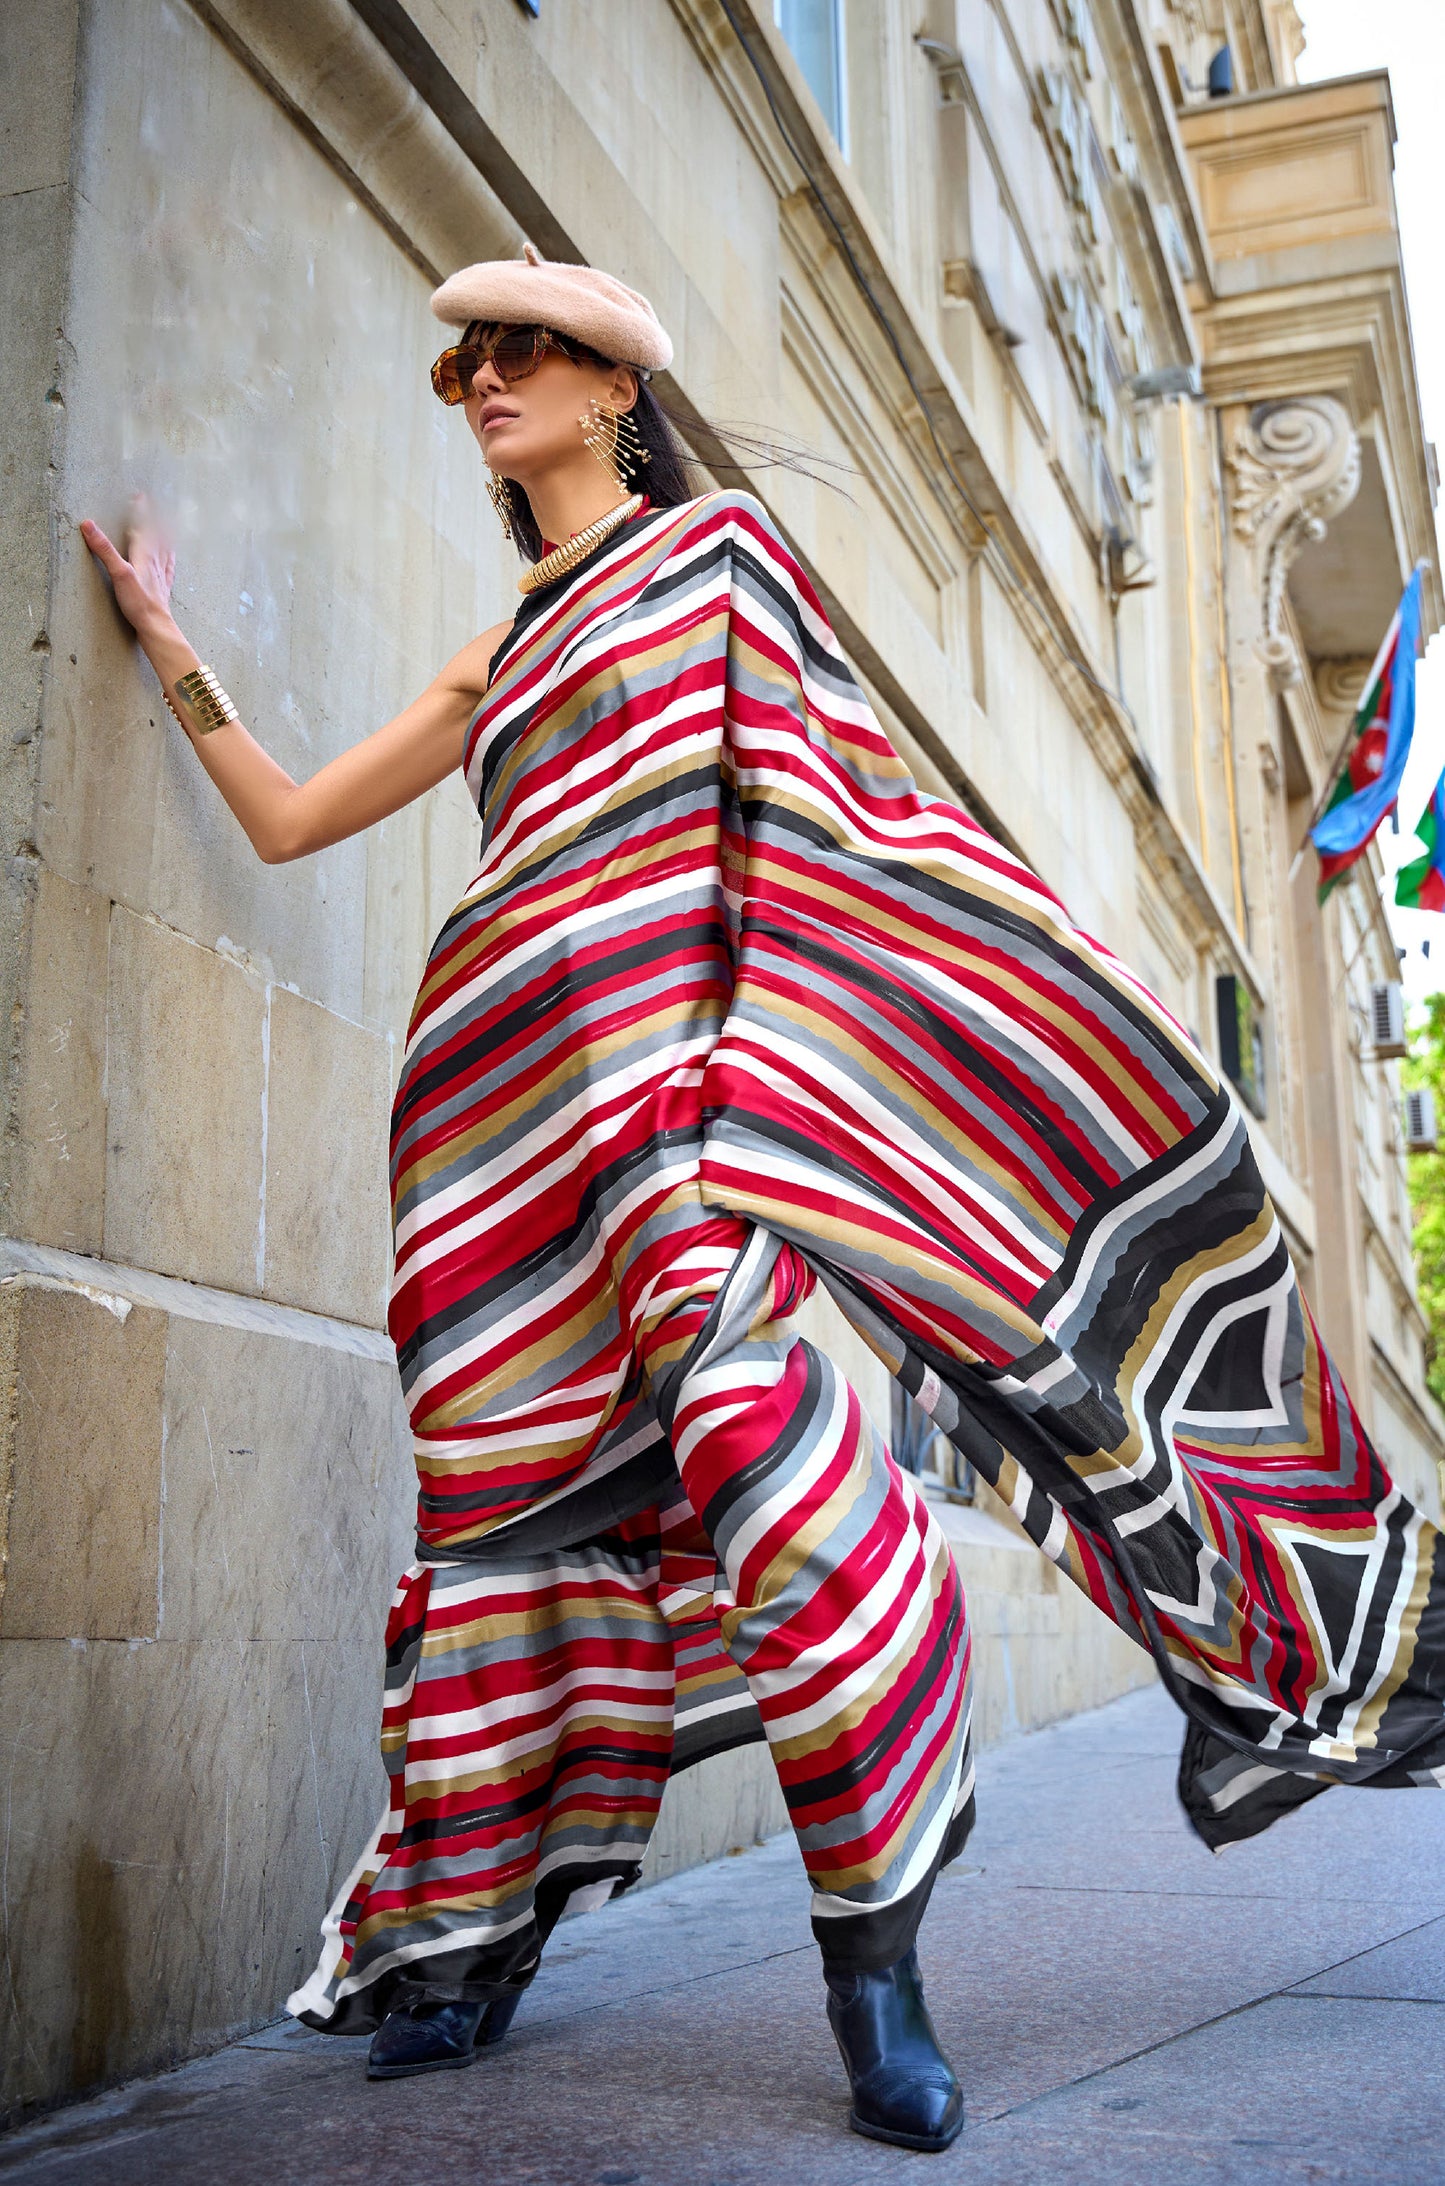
436,2037
904,2088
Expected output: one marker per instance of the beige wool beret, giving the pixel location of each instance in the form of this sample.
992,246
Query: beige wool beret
577,300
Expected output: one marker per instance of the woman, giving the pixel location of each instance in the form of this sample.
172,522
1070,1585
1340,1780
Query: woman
730,1008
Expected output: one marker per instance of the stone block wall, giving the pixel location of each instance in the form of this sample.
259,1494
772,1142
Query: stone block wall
206,1478
205,1497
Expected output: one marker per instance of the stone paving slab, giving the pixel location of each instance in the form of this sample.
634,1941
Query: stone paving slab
1124,2008
1293,2089
1411,1970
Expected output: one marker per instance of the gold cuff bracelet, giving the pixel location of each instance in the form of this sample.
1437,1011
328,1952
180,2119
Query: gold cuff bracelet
204,700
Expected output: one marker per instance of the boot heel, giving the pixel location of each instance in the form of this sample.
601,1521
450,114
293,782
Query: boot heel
904,2089
496,2019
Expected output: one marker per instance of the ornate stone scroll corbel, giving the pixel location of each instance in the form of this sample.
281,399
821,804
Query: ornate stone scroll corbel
1340,684
1295,464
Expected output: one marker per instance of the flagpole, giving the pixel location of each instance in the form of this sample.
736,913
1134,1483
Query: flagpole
1345,742
1363,943
1334,774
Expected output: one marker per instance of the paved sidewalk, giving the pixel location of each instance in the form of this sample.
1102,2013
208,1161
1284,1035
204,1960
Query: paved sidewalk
1122,2007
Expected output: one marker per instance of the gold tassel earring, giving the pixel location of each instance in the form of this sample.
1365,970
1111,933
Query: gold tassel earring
613,437
500,491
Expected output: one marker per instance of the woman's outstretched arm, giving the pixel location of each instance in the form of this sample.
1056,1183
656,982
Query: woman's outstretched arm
286,819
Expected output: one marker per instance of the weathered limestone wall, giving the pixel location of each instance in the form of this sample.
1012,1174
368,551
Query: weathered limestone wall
208,1465
207,1496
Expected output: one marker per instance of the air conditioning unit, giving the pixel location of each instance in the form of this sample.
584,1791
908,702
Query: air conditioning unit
1420,1135
1387,1019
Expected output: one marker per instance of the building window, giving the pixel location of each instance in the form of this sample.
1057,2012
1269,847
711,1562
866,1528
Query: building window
1241,1040
814,33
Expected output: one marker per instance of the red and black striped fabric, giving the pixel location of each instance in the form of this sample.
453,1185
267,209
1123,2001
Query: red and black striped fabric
729,1006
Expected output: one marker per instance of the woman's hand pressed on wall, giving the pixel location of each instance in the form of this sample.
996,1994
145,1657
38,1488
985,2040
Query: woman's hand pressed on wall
285,819
141,577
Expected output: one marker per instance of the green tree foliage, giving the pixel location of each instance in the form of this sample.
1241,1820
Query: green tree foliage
1425,1066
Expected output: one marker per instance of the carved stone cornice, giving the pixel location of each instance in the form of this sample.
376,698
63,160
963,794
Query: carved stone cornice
1294,465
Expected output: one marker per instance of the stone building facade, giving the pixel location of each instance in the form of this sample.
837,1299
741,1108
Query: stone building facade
1121,375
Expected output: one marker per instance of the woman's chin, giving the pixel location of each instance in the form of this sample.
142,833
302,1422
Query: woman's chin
500,447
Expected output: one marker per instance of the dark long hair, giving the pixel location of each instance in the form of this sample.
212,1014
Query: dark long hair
670,475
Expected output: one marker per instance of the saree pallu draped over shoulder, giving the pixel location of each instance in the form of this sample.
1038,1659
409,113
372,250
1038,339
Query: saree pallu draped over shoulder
731,1008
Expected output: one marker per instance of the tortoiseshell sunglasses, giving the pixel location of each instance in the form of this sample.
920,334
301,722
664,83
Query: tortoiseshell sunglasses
516,352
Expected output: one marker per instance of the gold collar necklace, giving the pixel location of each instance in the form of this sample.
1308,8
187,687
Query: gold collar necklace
578,547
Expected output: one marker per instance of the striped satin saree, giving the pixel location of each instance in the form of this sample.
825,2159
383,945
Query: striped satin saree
731,1008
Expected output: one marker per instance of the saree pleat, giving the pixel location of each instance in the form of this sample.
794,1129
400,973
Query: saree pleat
731,1006
536,1705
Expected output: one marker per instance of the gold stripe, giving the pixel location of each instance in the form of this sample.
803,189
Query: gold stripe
1367,1729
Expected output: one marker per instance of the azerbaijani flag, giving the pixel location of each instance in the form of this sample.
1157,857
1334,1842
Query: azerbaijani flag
1420,886
1383,727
